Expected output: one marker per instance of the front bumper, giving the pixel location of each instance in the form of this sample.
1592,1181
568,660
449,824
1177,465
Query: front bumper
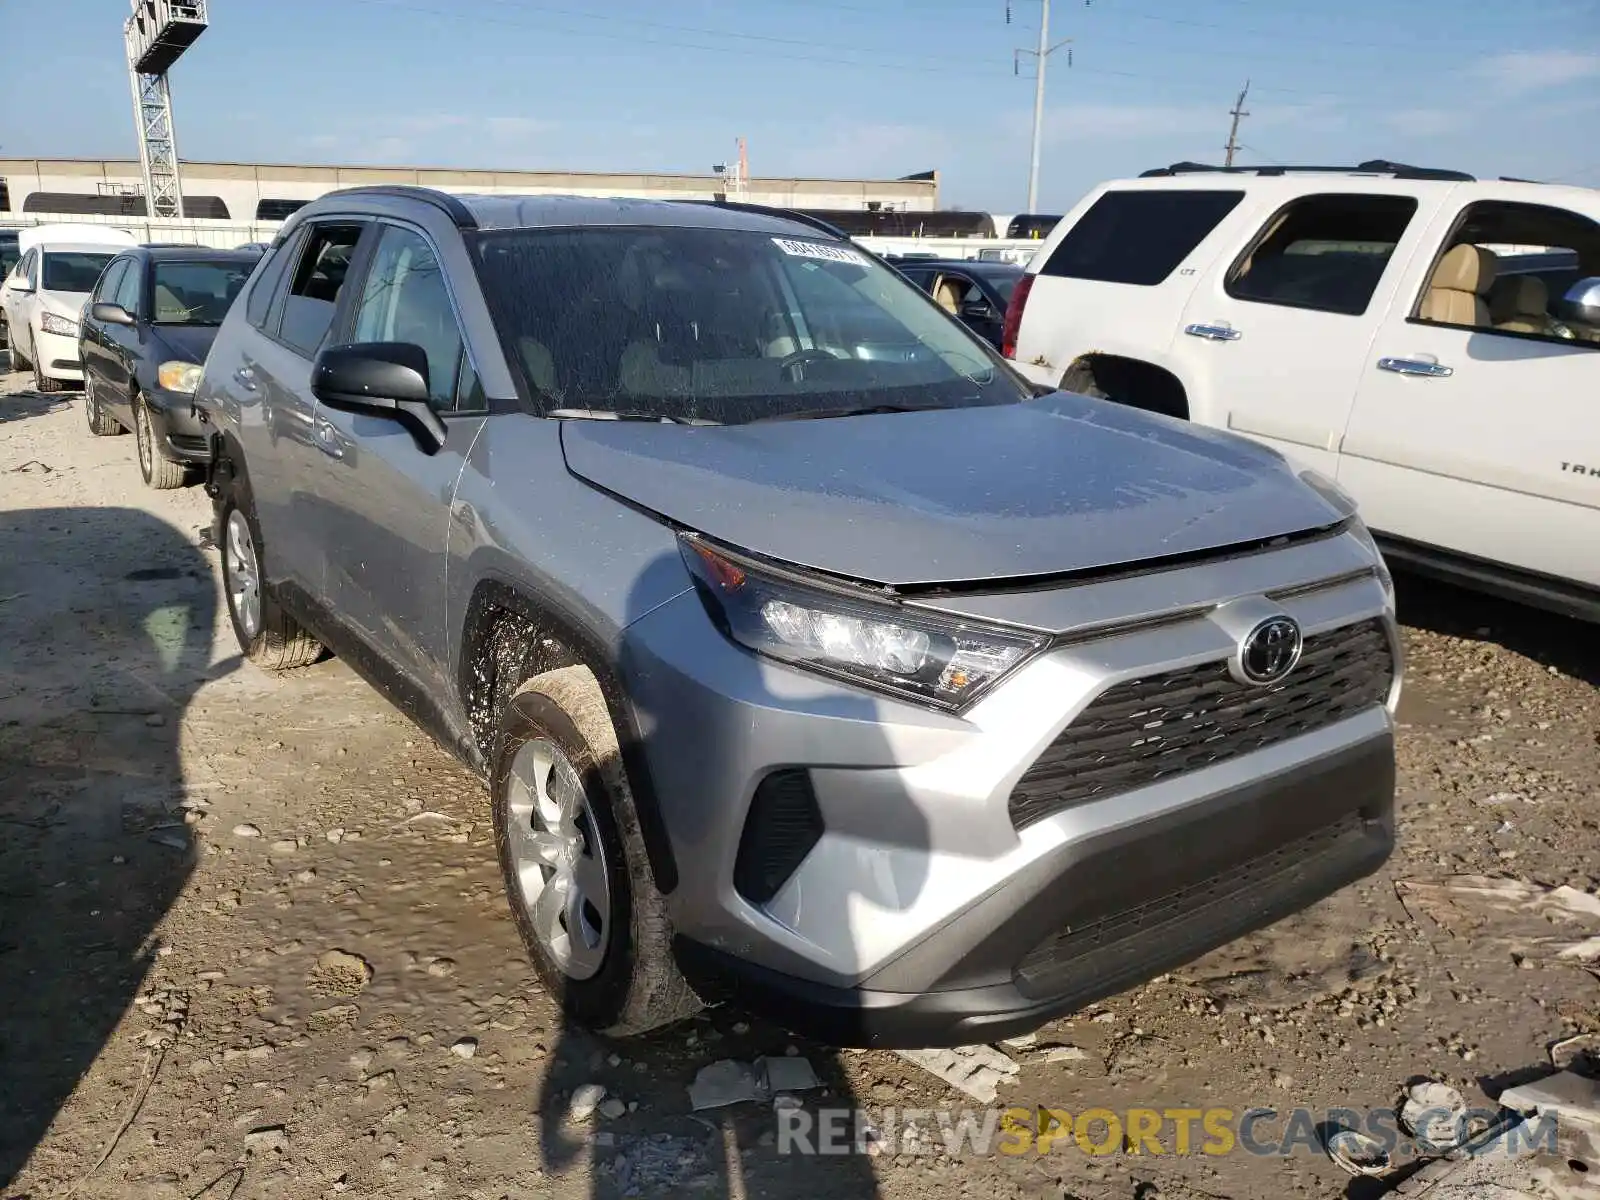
57,357
921,904
180,434
1105,913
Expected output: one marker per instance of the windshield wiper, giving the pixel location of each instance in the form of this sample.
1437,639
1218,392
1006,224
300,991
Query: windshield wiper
613,414
866,410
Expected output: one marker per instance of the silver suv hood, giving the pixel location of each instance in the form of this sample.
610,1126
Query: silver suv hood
1054,485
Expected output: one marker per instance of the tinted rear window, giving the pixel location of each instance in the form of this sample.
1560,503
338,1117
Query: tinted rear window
1139,237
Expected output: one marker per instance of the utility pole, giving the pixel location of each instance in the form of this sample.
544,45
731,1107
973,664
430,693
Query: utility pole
1233,133
1042,55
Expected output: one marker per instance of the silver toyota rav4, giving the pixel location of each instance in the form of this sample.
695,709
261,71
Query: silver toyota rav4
814,661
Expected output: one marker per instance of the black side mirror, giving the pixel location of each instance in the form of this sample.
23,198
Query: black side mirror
380,379
111,314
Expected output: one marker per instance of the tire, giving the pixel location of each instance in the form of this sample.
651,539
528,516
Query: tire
43,383
159,472
272,639
629,984
18,361
101,423
1080,378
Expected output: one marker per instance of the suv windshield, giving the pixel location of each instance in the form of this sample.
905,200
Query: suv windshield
10,255
724,325
72,270
195,293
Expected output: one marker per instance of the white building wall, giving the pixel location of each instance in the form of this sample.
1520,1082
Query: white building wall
241,186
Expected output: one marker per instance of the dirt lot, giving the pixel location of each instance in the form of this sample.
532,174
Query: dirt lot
183,839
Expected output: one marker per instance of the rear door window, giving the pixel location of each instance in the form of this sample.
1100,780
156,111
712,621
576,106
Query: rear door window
319,276
1139,237
265,287
1323,252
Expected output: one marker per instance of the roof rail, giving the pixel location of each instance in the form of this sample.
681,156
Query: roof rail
788,214
446,203
1376,166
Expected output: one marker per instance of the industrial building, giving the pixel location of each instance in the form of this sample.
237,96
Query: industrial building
249,192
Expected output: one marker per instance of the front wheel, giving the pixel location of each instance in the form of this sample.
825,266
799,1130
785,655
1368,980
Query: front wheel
159,472
267,635
574,861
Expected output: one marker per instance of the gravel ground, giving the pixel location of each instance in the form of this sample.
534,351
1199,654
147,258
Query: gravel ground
253,941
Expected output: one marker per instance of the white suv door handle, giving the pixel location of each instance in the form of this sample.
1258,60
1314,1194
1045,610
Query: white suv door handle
1415,366
1215,331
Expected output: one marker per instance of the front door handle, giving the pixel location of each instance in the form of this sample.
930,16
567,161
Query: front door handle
1415,366
245,378
326,436
1216,331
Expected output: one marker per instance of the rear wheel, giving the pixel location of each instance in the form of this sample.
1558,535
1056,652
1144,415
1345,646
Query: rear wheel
158,472
101,423
574,861
267,635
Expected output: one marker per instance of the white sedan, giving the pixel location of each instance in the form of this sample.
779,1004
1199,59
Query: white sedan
43,299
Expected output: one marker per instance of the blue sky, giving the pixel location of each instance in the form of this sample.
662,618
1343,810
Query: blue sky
834,87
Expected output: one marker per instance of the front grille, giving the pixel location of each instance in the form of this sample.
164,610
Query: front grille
1145,730
1119,947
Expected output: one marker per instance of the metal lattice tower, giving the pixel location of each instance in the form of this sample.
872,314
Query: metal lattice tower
156,35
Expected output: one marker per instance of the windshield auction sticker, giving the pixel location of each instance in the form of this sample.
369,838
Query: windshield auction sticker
819,250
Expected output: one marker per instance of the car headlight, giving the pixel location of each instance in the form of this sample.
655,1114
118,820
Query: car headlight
845,632
179,376
50,323
1346,504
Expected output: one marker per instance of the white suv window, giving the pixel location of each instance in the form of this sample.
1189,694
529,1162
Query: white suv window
1533,255
1139,236
1323,252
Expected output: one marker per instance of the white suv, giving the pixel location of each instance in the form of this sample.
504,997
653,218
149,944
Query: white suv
1430,340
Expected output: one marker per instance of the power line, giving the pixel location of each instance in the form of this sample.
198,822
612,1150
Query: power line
914,66
1234,31
480,17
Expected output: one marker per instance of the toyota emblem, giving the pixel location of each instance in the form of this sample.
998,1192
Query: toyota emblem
1269,651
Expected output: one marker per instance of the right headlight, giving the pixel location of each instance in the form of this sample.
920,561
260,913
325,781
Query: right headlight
61,326
835,630
181,377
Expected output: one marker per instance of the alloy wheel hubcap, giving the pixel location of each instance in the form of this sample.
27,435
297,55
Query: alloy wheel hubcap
244,576
559,859
145,436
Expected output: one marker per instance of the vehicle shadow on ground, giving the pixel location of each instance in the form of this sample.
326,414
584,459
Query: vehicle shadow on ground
108,617
748,1148
1571,646
20,406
